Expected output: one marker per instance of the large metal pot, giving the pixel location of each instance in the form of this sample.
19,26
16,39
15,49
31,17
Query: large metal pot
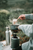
14,28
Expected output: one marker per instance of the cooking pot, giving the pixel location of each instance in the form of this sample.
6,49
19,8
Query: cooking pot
14,28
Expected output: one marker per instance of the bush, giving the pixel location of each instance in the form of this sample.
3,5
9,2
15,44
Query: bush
4,16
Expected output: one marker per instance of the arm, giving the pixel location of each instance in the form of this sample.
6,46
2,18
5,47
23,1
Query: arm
29,16
26,16
26,29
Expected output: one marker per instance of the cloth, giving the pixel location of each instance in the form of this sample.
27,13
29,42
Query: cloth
27,29
29,16
27,46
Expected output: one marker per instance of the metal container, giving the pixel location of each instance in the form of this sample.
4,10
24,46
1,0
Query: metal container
14,43
14,28
7,36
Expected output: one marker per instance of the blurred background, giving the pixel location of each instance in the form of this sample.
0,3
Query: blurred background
10,9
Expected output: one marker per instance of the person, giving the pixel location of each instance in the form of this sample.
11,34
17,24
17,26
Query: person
28,30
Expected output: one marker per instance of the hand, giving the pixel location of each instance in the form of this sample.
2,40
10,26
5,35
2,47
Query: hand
22,17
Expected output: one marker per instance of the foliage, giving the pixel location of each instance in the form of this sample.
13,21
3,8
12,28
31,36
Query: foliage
25,4
4,16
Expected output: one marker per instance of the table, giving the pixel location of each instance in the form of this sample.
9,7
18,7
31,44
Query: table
7,47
